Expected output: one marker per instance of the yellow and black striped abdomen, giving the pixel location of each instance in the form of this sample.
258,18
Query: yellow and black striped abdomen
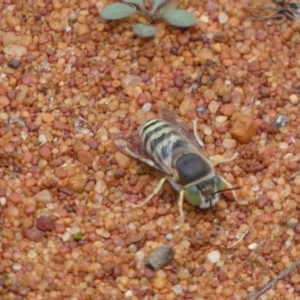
160,139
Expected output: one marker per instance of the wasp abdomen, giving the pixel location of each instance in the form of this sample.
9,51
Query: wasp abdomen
191,167
159,136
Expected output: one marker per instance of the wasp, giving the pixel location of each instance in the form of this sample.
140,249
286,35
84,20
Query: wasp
171,147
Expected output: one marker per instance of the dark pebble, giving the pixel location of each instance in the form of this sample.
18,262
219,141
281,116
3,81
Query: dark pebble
14,63
160,257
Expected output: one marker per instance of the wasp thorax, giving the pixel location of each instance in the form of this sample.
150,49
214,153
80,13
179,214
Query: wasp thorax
191,167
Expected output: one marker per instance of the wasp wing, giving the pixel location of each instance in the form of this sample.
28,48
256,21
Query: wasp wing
178,124
130,144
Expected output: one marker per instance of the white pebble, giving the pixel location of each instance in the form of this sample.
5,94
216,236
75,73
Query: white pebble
17,266
223,18
132,248
283,145
229,143
31,254
50,206
24,135
207,130
128,294
204,19
42,139
73,16
169,236
74,229
104,138
290,231
252,246
2,201
287,243
139,256
68,29
221,119
103,233
293,99
3,116
177,289
292,222
147,106
131,226
66,236
287,156
255,188
214,256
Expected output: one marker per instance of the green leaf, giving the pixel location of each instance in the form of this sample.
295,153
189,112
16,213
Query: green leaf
117,11
138,3
166,7
155,5
77,236
180,18
144,30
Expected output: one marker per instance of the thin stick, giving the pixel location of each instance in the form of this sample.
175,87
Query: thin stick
264,288
235,243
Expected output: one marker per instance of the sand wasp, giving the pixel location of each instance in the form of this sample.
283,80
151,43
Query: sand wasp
171,147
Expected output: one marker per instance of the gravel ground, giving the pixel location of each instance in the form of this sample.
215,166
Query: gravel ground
69,82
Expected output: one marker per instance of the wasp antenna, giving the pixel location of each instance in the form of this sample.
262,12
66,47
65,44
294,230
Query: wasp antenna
231,189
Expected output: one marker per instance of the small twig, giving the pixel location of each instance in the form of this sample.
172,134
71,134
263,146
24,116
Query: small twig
264,288
235,243
85,121
12,120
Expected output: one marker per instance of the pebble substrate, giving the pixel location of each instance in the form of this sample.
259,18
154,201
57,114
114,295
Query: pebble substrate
70,81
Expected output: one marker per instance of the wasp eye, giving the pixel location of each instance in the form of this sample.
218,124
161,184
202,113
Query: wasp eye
193,195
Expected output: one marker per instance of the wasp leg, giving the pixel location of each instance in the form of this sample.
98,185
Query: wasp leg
226,185
196,134
218,159
180,204
155,192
